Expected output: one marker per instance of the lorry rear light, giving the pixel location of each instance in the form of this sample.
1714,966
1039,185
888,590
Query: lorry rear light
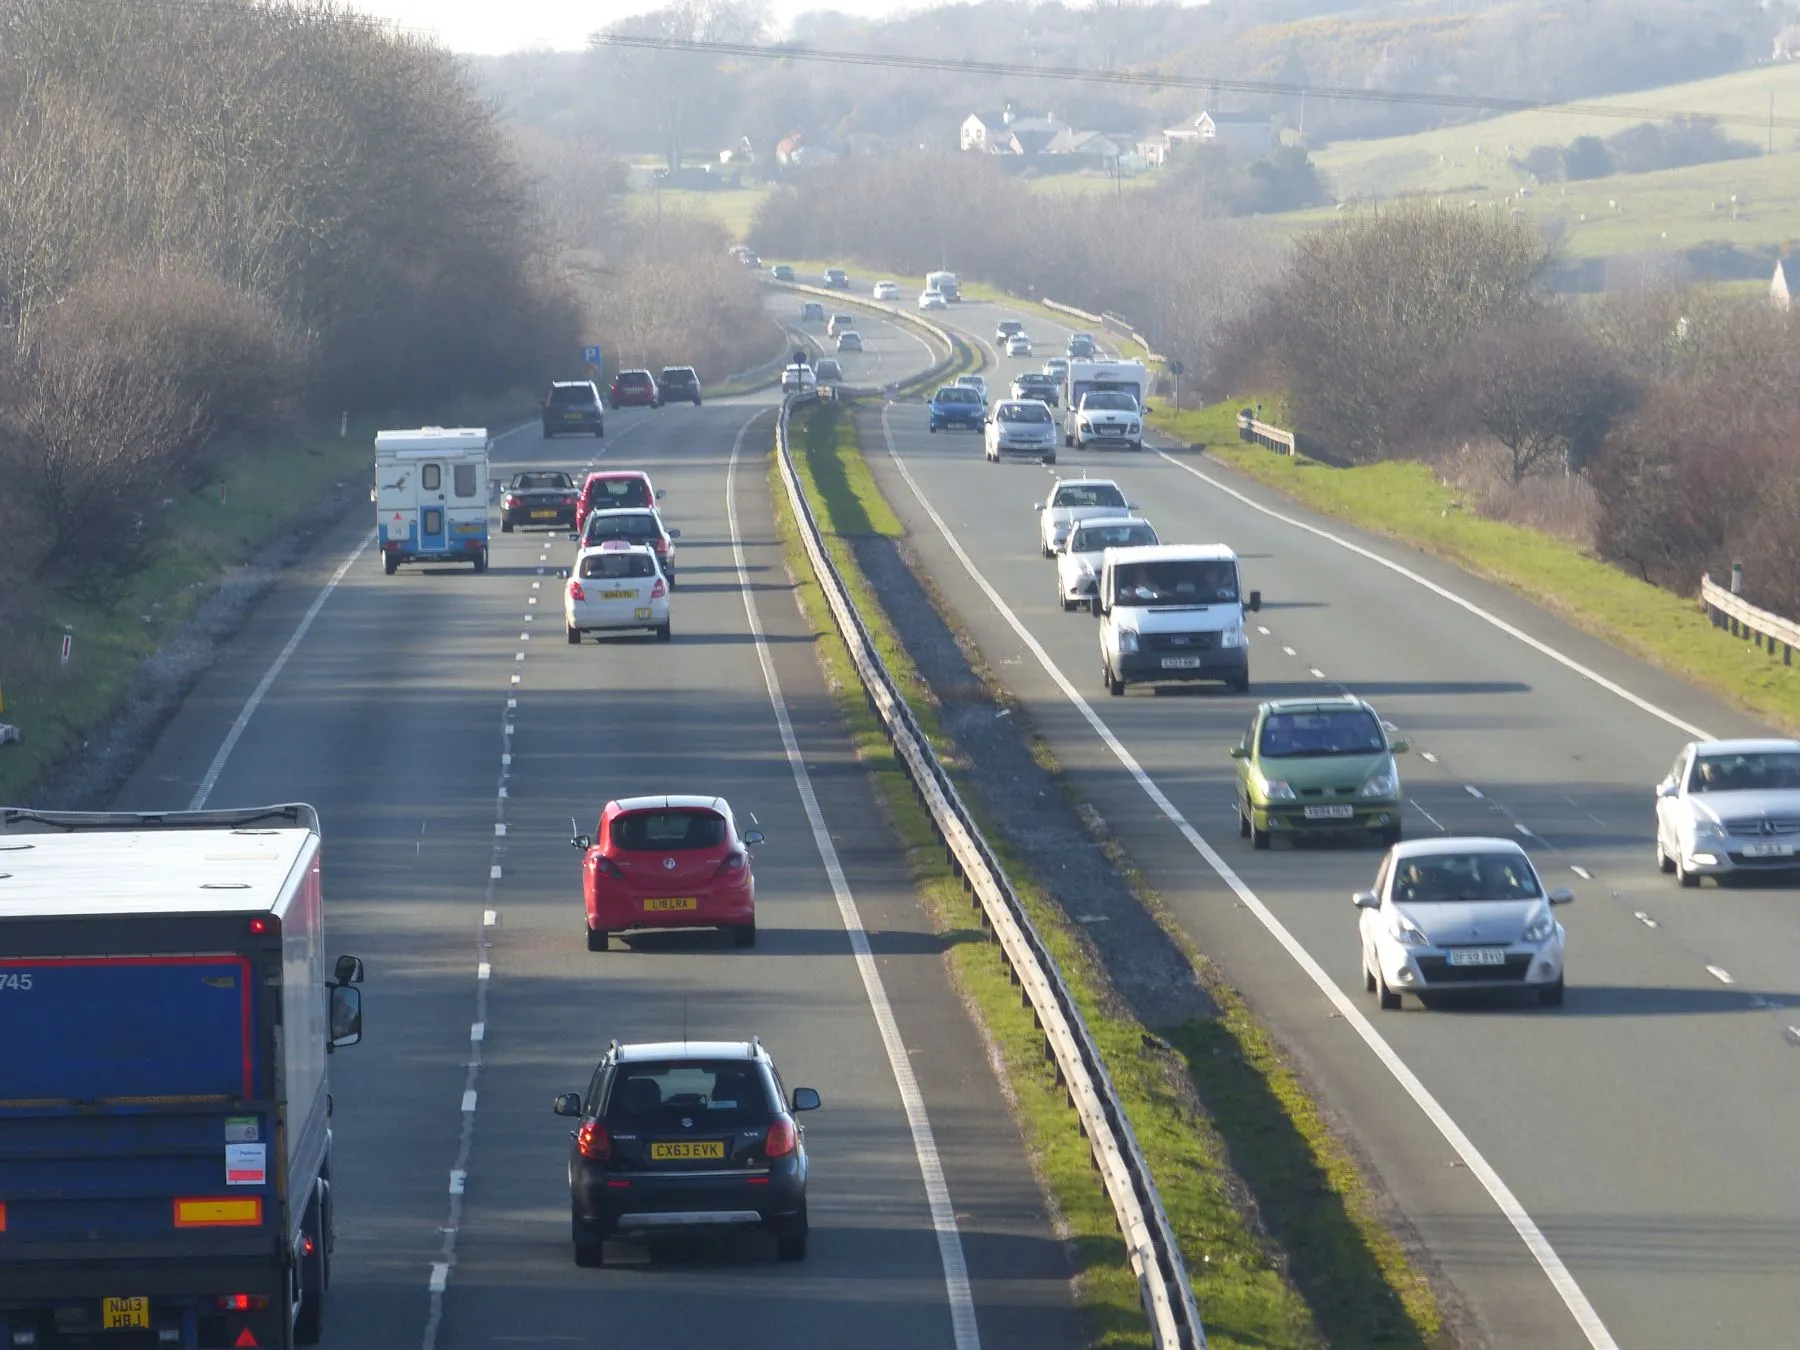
782,1139
594,1142
658,590
575,591
242,1302
259,926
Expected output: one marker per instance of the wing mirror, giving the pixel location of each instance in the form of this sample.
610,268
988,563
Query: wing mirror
806,1099
1400,747
1255,602
348,970
675,534
1132,506
1562,896
1667,790
568,1104
753,838
346,1016
1240,752
1366,900
659,494
578,840
1095,607
574,538
1037,506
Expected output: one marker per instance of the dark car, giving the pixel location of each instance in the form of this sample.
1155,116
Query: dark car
538,497
678,383
837,279
958,405
573,405
1036,384
632,389
635,525
679,1135
1080,346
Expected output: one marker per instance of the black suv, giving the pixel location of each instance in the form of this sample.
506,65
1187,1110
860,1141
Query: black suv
677,1135
573,405
677,382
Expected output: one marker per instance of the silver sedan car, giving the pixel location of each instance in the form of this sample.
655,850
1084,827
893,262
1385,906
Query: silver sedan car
1729,806
1448,915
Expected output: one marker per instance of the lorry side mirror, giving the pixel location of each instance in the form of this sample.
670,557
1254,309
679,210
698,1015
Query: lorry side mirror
346,1016
1255,602
349,970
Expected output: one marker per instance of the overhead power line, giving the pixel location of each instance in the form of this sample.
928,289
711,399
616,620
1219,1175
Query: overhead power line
1145,79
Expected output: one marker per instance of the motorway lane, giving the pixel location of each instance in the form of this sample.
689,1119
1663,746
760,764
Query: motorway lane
390,717
1623,1122
893,351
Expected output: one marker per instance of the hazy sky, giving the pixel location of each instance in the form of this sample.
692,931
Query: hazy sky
491,26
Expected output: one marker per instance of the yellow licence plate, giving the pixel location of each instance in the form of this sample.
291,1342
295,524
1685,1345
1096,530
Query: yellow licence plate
123,1314
682,1151
642,612
663,903
543,515
618,595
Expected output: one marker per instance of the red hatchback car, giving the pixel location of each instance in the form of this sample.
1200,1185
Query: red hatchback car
633,389
668,862
613,489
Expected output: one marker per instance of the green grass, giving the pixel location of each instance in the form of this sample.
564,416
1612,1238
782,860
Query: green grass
119,619
1405,501
1360,1289
734,208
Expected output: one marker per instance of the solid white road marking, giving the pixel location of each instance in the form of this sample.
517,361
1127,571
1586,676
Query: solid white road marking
1573,1298
210,779
1444,592
1721,976
912,1100
1422,811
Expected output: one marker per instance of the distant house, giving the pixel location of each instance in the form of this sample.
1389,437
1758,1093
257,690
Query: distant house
1009,133
1094,146
1248,134
1154,150
1780,295
1787,43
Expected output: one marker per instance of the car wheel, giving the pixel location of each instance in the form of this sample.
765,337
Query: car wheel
506,526
1240,686
1259,839
1551,995
600,431
1386,998
663,633
744,935
1683,877
549,434
1243,820
390,563
1368,975
696,402
1664,863
791,1246
934,428
598,940
1114,685
1050,458
590,1255
481,561
1391,835
1068,440
574,635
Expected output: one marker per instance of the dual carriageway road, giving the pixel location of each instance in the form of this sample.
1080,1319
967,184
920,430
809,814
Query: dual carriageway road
1644,1130
447,733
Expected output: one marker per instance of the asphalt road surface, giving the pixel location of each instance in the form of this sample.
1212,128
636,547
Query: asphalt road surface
1641,1136
448,734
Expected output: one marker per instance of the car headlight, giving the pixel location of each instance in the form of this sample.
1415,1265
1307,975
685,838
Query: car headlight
1382,785
1403,931
1086,425
1128,640
1708,830
1134,429
1540,927
1232,637
1276,790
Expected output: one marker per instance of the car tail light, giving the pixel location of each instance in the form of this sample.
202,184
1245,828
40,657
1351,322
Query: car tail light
594,1142
782,1139
608,866
733,862
241,1302
658,590
509,500
575,591
662,546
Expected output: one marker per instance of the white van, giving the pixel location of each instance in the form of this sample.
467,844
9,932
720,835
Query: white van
431,496
944,283
1173,612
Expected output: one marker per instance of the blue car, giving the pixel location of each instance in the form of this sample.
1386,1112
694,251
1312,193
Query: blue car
957,405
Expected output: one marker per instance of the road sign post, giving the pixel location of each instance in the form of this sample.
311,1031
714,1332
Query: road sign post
592,358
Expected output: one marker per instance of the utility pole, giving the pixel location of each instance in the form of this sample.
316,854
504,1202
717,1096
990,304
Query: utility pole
1771,121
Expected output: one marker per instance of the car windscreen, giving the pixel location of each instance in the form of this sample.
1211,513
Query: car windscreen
605,492
634,379
1110,402
1459,878
616,566
1753,771
1335,731
676,375
957,394
1023,412
577,395
541,482
1171,582
1094,538
667,831
601,527
1010,326
692,1096
1086,494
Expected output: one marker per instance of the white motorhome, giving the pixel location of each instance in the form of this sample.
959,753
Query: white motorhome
431,495
944,283
1173,612
1108,421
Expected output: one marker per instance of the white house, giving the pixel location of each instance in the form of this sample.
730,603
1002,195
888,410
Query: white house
1248,134
1009,133
1780,295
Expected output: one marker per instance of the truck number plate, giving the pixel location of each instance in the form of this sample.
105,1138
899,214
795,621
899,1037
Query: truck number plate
125,1314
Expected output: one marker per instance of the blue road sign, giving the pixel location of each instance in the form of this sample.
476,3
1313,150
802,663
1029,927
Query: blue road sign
590,356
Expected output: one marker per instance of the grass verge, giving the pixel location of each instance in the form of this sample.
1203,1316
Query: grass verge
1405,501
1257,1114
116,620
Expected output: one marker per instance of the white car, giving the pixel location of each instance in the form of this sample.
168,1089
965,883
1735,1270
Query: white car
1019,426
1018,345
1729,806
798,379
976,383
1106,417
1057,368
1460,914
933,300
849,341
886,290
1004,330
616,586
1076,499
1078,561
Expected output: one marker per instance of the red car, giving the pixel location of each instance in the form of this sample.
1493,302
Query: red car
633,389
611,489
668,862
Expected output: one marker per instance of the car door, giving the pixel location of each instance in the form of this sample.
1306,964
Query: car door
1671,809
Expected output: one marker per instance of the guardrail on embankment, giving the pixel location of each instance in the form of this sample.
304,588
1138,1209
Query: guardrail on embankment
1112,323
1731,611
1266,434
1149,1241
